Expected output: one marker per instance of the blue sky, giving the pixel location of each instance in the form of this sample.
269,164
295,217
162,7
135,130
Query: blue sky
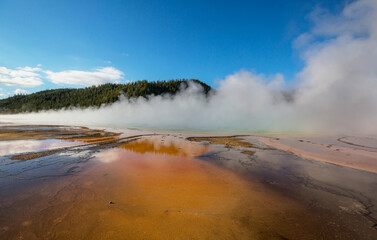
79,43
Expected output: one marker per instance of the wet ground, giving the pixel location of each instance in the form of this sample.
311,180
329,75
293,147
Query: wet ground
80,183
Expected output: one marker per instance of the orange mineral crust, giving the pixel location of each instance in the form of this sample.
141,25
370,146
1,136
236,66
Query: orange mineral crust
78,183
160,192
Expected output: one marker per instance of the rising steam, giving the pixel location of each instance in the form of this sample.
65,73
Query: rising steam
335,92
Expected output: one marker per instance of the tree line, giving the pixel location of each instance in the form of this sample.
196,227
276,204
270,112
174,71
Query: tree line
92,96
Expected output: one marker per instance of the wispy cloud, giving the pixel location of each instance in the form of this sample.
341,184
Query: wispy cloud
32,76
85,78
22,76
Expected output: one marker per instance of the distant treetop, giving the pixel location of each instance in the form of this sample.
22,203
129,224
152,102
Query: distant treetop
92,96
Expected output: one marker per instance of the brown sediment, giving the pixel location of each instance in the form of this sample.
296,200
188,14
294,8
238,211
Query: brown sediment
95,139
96,136
251,153
33,155
229,142
26,132
82,136
101,145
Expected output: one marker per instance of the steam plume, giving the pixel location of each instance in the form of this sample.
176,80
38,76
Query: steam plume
336,90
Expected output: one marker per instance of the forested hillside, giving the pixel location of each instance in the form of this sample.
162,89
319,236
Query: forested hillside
91,96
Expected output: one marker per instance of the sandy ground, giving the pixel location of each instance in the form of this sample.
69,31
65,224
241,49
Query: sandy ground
350,151
138,184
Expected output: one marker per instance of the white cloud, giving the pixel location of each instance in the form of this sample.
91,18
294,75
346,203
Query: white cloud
74,77
19,91
32,76
22,76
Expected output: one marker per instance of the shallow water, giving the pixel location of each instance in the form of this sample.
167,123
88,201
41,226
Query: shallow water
158,188
23,146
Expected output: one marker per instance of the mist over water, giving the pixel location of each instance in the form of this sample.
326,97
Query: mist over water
335,92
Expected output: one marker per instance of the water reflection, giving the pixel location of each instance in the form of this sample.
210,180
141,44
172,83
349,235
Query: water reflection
158,190
165,145
22,146
162,191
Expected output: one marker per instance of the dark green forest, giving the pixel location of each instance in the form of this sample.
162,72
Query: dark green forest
92,96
